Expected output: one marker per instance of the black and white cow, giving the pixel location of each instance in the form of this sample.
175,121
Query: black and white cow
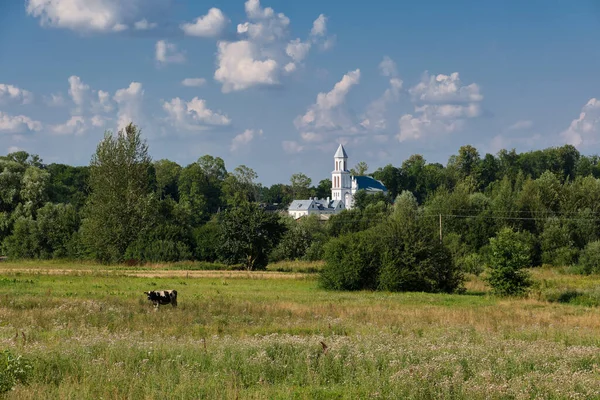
161,297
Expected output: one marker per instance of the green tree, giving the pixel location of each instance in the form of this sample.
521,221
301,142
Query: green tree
248,234
121,205
167,179
300,186
323,190
240,187
360,169
509,256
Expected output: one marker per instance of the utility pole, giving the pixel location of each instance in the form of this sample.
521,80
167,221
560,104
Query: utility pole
441,228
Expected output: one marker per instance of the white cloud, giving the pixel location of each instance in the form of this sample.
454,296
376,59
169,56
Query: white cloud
167,53
520,125
78,91
18,124
14,149
374,118
292,147
193,115
210,25
442,105
14,94
289,67
445,89
90,15
55,100
239,68
325,113
387,67
244,138
585,130
297,49
144,25
191,82
319,26
74,126
129,103
104,102
98,121
266,25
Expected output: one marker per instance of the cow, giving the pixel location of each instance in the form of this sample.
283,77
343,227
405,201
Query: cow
161,297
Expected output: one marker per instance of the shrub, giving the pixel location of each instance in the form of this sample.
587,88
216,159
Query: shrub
509,255
206,238
589,260
13,370
352,261
471,263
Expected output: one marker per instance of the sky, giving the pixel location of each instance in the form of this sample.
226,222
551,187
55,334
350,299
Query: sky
276,85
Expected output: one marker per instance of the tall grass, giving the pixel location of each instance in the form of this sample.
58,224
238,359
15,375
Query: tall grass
95,336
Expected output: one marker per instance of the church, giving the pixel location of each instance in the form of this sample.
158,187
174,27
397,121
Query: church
343,188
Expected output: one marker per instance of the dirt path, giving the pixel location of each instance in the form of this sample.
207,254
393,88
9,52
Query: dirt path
159,273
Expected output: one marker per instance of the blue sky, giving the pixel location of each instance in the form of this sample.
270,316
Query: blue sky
276,85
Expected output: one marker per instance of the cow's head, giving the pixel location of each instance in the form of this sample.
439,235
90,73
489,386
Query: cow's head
151,295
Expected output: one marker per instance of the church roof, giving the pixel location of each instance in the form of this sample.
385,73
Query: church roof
369,184
341,152
321,205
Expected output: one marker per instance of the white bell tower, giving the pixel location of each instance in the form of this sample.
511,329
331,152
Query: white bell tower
340,177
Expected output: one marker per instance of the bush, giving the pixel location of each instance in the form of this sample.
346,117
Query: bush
206,238
471,263
589,260
13,370
509,255
352,261
401,254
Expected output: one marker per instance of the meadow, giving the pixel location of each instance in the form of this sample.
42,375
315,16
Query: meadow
88,332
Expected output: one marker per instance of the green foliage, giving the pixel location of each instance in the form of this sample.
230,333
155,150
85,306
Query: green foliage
13,370
300,185
207,241
121,206
589,260
471,263
508,257
400,254
248,234
352,261
306,234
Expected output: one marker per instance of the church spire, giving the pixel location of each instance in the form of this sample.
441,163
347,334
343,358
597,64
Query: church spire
341,152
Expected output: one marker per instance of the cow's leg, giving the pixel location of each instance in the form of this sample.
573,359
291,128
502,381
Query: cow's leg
174,302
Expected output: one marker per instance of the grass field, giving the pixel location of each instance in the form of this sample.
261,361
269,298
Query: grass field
89,333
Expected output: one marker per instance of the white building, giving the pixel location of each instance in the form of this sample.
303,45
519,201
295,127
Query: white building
343,188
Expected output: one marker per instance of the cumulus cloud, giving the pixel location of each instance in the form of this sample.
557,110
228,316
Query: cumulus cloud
210,25
265,52
10,93
78,91
584,130
326,114
240,69
104,103
74,126
18,124
91,15
55,100
193,115
387,67
129,102
519,125
442,105
297,49
445,89
144,25
193,82
167,53
319,26
292,147
244,138
374,118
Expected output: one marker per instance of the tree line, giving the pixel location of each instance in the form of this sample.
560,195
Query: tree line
125,206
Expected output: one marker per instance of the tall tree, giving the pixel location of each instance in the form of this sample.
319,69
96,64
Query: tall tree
360,169
300,186
240,186
121,205
248,234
